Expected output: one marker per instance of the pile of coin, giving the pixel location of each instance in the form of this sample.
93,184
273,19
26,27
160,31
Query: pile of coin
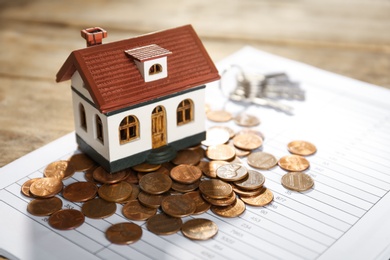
210,176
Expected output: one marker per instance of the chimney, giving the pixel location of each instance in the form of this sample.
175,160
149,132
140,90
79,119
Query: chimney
93,36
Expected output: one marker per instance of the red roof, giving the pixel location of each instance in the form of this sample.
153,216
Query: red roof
114,81
148,52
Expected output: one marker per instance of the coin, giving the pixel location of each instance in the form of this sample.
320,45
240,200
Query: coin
44,207
231,211
232,172
213,166
247,141
132,178
222,202
294,163
150,200
189,157
186,174
135,211
201,205
98,208
124,233
224,128
81,162
178,205
219,116
117,192
239,152
260,200
251,131
80,191
262,160
146,167
46,187
155,183
297,181
162,224
216,189
59,169
66,219
215,136
180,187
25,189
303,148
103,176
247,120
199,229
255,180
221,152
246,193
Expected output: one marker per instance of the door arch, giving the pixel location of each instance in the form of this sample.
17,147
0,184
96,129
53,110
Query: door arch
159,127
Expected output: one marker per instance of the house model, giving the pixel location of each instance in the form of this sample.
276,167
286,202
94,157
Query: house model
140,99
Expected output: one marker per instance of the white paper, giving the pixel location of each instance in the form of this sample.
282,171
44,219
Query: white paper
345,215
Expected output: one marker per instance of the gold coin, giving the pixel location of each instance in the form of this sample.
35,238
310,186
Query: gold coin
81,162
221,152
303,148
162,224
80,191
232,172
262,160
297,181
149,200
201,205
98,208
178,206
219,116
260,200
46,187
247,120
294,163
44,207
231,211
189,157
25,190
255,180
103,176
155,183
222,202
146,167
215,136
124,233
66,219
186,174
135,211
199,229
59,169
247,141
117,192
216,189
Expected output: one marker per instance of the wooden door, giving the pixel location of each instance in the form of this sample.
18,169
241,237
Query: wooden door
159,130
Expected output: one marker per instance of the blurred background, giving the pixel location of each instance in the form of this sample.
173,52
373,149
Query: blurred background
348,37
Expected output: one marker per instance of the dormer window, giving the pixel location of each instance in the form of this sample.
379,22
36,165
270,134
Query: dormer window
151,61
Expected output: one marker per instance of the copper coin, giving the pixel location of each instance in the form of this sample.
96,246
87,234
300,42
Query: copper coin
231,211
132,177
232,172
146,167
215,136
102,176
201,205
66,219
246,193
225,129
44,207
297,181
222,202
59,169
155,183
199,229
216,189
80,191
221,152
98,208
180,187
247,141
81,162
255,180
247,120
150,200
303,148
262,160
219,116
260,200
186,174
240,152
189,157
251,131
124,233
213,166
46,187
117,192
134,192
88,175
178,206
162,224
294,163
135,211
25,189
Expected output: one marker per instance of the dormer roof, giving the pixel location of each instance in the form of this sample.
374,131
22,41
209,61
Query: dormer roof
114,82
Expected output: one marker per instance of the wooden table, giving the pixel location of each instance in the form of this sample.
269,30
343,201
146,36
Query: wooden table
349,37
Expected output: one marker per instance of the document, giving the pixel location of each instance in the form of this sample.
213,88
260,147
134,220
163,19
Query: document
344,216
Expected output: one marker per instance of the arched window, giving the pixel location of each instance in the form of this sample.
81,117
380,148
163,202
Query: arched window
128,129
185,112
83,118
155,68
99,129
